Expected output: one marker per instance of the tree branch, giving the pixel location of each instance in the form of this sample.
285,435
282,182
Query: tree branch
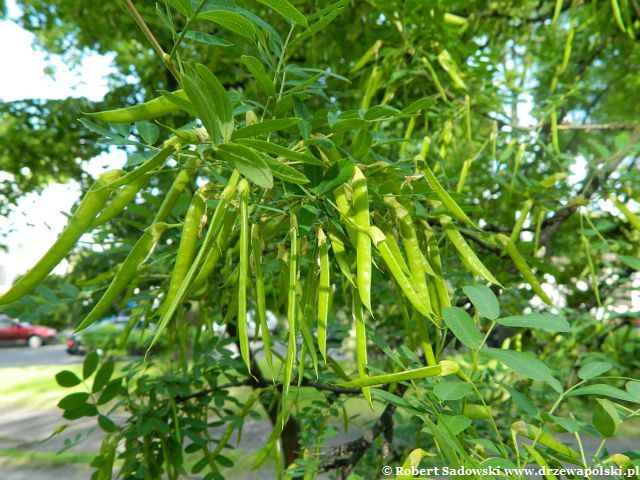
592,185
347,455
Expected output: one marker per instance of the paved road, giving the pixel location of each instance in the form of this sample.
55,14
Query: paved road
21,356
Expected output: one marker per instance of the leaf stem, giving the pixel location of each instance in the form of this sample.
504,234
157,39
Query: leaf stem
151,38
185,29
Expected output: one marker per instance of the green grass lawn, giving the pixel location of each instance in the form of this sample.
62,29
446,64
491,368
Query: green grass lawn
34,387
32,459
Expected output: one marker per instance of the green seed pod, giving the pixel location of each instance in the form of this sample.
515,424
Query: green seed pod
145,111
80,222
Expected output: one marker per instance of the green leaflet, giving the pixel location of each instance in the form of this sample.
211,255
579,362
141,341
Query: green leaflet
181,102
484,301
285,172
532,432
284,152
210,101
221,102
605,417
288,11
256,68
207,39
593,369
248,162
452,390
231,21
263,128
462,326
524,364
328,16
543,321
604,390
336,175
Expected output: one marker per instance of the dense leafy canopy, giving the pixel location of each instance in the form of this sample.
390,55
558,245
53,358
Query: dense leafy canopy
445,190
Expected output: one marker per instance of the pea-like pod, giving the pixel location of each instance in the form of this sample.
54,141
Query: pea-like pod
243,278
121,200
553,179
260,295
517,228
372,86
464,173
368,55
434,76
292,311
396,251
566,56
444,368
344,206
444,196
80,222
155,108
363,248
438,285
407,136
337,245
231,425
324,290
476,412
556,11
191,229
592,269
467,255
542,212
219,245
143,247
414,254
532,432
305,314
184,258
186,284
633,219
617,15
361,345
303,355
523,267
516,163
380,241
554,132
539,459
169,148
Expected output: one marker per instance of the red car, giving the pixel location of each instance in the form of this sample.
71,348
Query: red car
33,335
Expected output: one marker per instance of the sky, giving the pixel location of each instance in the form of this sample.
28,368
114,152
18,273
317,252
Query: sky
38,219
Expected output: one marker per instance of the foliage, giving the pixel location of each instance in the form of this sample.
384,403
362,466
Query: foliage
372,160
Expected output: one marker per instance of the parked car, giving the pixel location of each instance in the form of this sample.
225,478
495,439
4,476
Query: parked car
105,327
105,336
35,336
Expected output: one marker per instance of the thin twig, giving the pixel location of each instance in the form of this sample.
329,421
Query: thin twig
151,38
